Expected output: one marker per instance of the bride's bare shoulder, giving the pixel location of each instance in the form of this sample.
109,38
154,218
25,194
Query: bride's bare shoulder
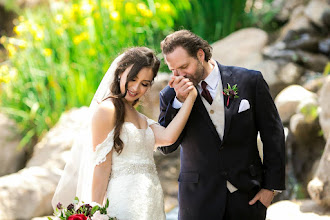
105,111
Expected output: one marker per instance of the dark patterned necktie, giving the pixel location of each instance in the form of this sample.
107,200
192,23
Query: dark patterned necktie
206,93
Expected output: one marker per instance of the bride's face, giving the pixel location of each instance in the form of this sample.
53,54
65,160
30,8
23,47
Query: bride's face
138,86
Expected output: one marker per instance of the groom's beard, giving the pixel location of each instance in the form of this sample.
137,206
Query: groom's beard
199,74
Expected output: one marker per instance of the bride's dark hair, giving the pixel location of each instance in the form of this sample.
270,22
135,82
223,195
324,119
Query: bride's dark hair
139,57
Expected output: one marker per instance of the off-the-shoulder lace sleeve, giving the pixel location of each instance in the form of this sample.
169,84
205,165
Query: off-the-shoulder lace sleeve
151,122
102,150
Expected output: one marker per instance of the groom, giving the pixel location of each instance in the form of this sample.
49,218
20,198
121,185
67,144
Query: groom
222,175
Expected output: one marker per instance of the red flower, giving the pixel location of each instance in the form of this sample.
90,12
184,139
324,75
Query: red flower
77,217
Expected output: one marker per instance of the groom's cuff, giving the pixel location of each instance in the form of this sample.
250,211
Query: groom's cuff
176,103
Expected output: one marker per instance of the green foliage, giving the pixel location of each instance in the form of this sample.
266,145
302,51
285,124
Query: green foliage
327,69
215,19
310,112
61,53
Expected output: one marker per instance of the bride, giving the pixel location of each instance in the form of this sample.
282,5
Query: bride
118,163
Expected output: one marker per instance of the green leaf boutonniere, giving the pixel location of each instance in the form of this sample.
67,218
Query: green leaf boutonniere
231,92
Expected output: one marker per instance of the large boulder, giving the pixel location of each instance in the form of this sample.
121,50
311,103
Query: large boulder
297,210
324,101
288,100
319,187
241,48
12,158
28,193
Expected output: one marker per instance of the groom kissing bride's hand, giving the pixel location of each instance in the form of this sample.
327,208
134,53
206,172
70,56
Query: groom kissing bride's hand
181,86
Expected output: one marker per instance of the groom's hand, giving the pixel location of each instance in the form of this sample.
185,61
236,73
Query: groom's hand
265,196
181,86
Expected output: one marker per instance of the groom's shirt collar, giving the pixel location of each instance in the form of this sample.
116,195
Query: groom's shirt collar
213,78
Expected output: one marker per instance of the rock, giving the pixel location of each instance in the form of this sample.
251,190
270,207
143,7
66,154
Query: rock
288,100
297,210
12,159
304,41
241,48
150,102
290,73
315,62
324,46
319,187
298,22
285,8
314,84
324,101
6,18
307,144
315,10
28,193
269,70
326,20
273,52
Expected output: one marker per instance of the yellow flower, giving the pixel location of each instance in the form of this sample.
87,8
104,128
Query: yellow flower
157,5
97,15
37,32
47,52
11,50
75,8
4,74
59,31
22,44
19,29
147,13
59,18
77,39
114,16
92,52
130,8
84,35
166,8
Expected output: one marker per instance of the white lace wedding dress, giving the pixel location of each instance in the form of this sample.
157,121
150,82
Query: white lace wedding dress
134,189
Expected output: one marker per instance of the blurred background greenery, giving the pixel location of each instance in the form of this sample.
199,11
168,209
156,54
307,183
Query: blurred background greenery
60,51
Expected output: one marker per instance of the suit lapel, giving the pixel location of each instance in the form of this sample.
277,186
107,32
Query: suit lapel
226,77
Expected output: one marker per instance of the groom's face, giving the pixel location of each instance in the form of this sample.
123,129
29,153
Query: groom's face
183,64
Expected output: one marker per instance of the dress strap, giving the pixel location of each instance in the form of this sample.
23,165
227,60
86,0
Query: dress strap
102,149
151,122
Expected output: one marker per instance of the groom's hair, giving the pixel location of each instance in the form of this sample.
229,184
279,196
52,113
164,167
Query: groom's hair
188,41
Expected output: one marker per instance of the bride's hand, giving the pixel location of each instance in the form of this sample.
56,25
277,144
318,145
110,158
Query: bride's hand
192,92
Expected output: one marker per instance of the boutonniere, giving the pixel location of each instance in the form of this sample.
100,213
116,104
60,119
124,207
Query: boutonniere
231,92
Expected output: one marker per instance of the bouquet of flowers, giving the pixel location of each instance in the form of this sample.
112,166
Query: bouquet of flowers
83,212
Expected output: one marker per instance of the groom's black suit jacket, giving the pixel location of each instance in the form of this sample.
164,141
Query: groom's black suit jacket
207,162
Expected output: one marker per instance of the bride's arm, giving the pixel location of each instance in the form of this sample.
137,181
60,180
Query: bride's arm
102,123
167,136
